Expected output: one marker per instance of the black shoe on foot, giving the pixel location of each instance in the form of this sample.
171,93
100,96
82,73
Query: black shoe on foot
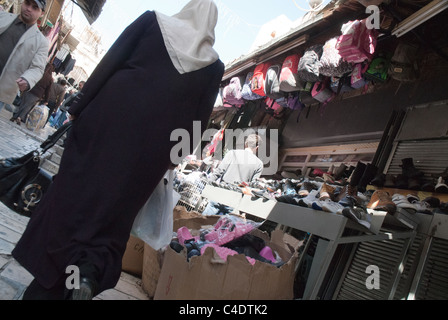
86,290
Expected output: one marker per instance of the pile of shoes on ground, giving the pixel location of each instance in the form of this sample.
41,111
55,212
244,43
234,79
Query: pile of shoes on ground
340,191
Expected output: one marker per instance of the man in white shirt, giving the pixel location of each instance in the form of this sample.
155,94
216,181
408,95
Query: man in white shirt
237,166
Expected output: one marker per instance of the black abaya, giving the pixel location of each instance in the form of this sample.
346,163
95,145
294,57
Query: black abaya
117,152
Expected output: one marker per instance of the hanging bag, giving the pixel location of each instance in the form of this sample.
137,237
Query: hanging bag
22,183
309,64
272,82
289,77
232,92
259,78
246,92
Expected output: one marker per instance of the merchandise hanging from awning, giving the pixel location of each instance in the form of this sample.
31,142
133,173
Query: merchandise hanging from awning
91,8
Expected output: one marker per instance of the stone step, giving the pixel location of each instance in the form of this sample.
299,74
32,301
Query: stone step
50,166
58,149
56,158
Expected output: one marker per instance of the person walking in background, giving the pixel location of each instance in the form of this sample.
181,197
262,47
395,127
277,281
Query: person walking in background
119,148
24,50
62,115
39,93
56,96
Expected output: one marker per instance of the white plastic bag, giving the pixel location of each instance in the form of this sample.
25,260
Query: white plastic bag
154,222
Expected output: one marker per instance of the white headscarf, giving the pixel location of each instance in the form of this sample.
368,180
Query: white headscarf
190,35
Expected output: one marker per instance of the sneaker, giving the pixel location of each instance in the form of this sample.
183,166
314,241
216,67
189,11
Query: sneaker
382,201
432,201
402,202
331,206
317,205
358,215
422,207
441,186
309,199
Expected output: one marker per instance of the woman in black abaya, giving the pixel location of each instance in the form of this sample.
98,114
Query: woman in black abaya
160,75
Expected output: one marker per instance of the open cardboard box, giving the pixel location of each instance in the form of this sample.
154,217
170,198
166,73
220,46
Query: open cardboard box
152,260
208,277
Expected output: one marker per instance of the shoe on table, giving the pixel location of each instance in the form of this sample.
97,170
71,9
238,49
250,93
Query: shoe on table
382,201
441,186
331,206
307,201
326,192
402,202
347,197
306,187
358,215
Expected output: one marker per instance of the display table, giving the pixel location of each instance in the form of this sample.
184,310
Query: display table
329,226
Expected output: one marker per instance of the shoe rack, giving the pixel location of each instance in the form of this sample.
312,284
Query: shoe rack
329,227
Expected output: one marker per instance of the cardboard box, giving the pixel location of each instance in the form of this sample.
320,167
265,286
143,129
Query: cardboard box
153,259
132,261
152,265
208,277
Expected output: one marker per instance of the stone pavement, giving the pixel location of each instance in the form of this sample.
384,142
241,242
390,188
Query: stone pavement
17,140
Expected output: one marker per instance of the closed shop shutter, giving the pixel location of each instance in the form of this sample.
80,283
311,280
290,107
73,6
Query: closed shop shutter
433,284
384,254
429,156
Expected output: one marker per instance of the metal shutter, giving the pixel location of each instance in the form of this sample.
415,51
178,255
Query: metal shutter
433,284
429,156
385,255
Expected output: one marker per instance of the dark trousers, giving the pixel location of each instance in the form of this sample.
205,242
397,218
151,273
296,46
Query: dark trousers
53,107
36,291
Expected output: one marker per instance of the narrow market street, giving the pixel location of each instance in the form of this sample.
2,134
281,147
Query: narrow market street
18,140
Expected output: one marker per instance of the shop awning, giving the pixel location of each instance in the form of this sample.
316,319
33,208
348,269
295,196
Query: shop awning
91,8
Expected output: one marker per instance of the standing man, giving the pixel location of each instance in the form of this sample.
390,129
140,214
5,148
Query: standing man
237,166
24,50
